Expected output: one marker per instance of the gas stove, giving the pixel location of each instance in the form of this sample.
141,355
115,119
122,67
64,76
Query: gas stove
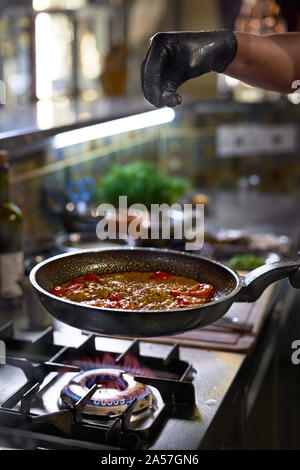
81,391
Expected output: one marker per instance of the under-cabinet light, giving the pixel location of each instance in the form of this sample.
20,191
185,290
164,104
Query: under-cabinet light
118,126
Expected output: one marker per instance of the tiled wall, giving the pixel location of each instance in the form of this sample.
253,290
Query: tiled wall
39,182
193,147
186,147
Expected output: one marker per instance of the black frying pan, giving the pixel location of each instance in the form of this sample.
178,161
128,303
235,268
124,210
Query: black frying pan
230,287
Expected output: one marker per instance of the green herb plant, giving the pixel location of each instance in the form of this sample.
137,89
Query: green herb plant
142,183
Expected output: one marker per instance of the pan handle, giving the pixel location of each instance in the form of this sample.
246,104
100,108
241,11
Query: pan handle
258,280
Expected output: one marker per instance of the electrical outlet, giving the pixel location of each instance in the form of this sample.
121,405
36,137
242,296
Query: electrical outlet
252,139
280,139
234,140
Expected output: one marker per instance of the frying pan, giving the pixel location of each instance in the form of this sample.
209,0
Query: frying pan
229,286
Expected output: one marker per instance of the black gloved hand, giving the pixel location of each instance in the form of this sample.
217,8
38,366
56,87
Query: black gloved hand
174,58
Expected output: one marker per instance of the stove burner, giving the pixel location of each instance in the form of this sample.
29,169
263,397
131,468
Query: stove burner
116,390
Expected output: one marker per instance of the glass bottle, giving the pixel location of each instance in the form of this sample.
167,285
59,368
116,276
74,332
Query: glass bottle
11,229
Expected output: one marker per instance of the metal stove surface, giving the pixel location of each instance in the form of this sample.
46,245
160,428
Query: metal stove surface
212,374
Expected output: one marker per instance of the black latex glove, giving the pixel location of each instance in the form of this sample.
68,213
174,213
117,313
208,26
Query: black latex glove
174,58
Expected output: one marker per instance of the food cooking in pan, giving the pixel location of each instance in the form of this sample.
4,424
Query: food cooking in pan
136,291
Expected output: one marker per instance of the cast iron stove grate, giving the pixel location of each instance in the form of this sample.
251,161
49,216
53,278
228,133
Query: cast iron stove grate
68,427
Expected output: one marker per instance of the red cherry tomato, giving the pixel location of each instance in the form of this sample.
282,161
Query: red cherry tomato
78,280
91,277
160,276
58,291
113,304
176,293
202,291
115,296
183,300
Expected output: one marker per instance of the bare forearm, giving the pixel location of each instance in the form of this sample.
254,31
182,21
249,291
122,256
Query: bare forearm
270,61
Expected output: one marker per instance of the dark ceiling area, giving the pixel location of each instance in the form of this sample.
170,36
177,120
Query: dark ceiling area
290,10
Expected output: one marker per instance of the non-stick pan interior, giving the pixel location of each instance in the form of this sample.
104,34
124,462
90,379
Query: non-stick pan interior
64,268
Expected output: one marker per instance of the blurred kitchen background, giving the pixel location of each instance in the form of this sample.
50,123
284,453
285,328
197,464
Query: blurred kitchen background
75,125
71,64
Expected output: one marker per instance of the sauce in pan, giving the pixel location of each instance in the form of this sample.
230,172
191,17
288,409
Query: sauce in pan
136,291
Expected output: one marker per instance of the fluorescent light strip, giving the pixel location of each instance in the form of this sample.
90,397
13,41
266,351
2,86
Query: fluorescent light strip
118,126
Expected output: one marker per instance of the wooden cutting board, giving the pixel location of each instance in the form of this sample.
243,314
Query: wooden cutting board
222,338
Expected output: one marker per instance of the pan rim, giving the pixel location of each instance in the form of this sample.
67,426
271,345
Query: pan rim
32,277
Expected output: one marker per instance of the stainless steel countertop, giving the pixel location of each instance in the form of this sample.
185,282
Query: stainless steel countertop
255,212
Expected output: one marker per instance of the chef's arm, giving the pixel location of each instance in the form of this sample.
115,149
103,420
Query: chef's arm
270,61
